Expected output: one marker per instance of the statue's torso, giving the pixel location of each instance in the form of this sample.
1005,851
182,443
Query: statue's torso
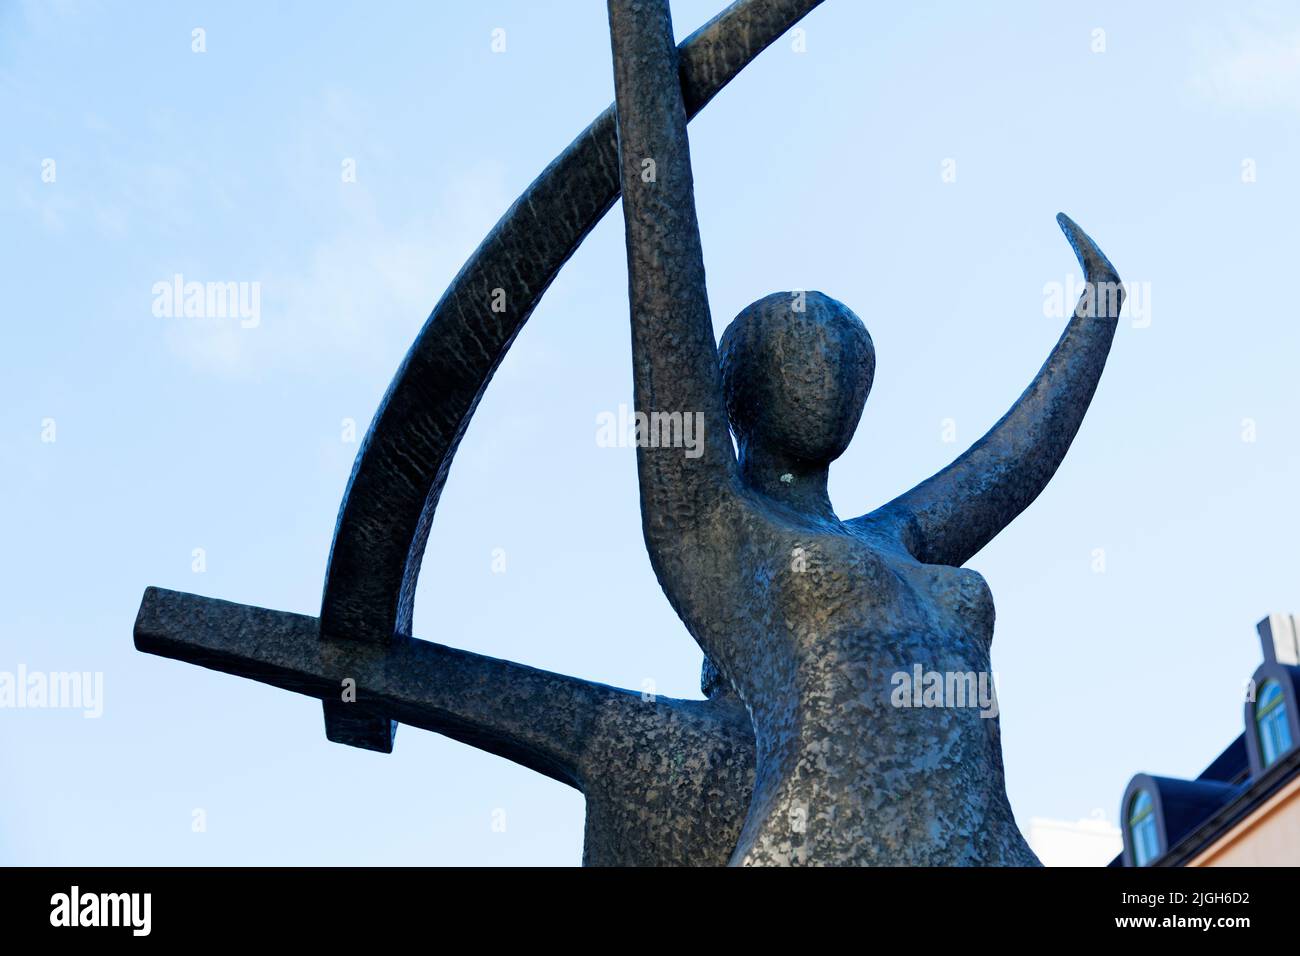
876,724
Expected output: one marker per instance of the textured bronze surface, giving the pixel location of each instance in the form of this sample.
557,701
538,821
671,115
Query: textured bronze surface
811,619
802,752
399,473
666,782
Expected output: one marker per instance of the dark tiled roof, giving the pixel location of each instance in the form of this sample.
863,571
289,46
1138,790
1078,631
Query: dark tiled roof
1248,797
1231,766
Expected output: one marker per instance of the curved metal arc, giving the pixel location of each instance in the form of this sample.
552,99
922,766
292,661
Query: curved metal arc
402,465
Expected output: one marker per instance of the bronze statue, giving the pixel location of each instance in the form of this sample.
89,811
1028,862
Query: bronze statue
806,615
801,752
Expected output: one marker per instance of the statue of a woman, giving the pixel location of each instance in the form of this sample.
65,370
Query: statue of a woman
810,617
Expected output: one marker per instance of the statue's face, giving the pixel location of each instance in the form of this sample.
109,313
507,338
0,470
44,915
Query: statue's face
797,368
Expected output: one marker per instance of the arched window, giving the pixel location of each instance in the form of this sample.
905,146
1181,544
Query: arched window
1270,718
1142,828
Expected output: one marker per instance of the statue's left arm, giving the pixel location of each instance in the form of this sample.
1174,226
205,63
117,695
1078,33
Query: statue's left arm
677,380
949,517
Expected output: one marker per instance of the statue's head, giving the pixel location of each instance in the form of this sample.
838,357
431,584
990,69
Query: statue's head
796,368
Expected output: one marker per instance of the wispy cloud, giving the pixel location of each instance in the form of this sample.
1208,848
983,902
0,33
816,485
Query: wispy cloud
358,294
1249,61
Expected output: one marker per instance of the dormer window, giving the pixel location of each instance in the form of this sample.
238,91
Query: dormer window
1142,828
1271,720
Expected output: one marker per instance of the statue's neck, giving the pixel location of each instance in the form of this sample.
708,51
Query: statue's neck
792,482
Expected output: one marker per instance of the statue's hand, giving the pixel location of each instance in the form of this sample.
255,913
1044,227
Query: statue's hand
1096,267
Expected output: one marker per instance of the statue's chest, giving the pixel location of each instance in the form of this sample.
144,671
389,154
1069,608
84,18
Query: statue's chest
842,583
958,600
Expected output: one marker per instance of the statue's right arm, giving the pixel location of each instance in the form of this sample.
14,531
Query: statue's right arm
677,379
398,477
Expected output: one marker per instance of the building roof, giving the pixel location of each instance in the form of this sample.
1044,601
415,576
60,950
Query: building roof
1193,814
1245,798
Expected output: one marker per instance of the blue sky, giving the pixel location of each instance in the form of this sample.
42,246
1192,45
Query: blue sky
818,170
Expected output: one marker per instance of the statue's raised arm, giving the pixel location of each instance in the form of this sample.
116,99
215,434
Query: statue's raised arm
684,456
949,517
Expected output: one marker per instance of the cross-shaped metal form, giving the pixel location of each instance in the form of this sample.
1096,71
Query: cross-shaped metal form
666,781
533,717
